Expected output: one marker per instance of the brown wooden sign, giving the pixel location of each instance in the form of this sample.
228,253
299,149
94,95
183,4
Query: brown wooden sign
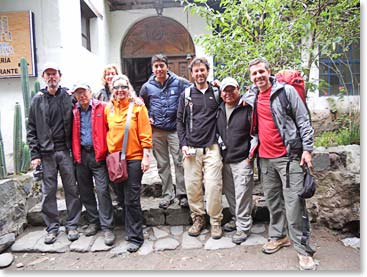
16,41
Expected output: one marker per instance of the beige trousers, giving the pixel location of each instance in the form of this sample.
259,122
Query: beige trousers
203,175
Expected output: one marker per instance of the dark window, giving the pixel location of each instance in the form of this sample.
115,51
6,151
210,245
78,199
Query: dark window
341,75
86,14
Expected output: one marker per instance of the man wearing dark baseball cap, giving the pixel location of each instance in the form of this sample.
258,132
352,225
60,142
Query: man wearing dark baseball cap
49,139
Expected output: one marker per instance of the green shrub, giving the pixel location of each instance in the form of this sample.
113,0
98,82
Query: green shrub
343,136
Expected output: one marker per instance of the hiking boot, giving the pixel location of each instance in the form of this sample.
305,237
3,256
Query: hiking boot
197,226
91,230
109,237
132,247
306,262
216,231
73,234
273,246
239,237
50,238
165,203
230,226
183,202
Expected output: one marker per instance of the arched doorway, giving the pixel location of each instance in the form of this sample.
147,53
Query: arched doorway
150,36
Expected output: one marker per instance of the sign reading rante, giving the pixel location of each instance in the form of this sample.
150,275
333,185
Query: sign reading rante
16,41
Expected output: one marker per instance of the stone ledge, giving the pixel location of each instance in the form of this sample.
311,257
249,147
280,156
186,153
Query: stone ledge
153,215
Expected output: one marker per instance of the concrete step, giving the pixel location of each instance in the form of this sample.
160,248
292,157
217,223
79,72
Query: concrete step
153,215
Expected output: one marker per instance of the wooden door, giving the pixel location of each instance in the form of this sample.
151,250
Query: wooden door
154,35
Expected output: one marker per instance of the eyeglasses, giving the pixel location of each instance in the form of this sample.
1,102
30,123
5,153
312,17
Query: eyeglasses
120,87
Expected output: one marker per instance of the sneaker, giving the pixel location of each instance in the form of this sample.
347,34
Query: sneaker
306,262
92,230
73,234
165,203
197,226
239,237
273,246
183,202
50,237
230,226
216,231
109,237
132,247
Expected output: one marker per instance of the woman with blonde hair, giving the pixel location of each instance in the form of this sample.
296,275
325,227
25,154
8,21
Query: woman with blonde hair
138,148
109,72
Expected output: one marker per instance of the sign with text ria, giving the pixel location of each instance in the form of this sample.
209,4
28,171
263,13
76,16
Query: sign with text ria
16,41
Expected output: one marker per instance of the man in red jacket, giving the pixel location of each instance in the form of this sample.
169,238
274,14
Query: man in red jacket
89,147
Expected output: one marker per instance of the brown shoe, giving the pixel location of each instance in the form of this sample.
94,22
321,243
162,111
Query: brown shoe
197,226
216,231
306,262
273,246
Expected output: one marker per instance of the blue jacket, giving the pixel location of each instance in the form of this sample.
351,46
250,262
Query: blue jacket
162,101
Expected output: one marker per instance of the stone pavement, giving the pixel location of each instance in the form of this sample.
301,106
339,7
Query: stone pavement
157,238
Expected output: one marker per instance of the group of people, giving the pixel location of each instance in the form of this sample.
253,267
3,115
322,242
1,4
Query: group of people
72,133
211,131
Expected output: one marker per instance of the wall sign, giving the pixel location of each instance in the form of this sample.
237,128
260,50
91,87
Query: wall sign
16,41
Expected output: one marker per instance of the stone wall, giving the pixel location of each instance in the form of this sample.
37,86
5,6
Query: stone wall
17,196
336,203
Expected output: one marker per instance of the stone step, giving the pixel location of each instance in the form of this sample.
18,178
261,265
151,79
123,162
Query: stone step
153,215
156,238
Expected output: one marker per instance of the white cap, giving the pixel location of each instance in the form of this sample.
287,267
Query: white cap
80,85
50,65
228,81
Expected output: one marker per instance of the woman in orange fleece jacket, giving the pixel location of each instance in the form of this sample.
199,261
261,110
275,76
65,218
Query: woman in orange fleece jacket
137,153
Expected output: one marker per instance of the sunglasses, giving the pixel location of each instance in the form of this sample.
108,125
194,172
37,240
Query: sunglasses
120,87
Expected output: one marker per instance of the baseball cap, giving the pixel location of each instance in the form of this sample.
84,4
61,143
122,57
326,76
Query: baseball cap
80,85
228,81
50,65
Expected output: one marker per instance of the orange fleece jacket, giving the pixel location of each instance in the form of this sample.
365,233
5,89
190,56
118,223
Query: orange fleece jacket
140,131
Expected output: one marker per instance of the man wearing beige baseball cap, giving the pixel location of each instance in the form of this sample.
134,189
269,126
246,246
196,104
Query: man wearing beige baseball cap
233,127
89,147
49,139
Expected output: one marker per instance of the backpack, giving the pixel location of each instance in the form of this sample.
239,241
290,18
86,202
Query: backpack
292,77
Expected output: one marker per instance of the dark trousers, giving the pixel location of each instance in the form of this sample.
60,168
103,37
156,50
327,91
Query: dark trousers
59,161
85,172
129,191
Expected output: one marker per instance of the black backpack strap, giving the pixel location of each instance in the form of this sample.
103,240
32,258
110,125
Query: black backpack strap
187,99
287,110
216,93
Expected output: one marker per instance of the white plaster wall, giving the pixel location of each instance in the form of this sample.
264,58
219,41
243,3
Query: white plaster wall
58,39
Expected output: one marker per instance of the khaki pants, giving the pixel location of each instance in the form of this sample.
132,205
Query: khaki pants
164,144
205,168
238,184
286,209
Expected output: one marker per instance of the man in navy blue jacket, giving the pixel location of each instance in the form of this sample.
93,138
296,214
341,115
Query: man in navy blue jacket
161,94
